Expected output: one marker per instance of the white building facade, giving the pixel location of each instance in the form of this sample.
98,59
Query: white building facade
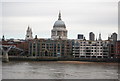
29,34
90,49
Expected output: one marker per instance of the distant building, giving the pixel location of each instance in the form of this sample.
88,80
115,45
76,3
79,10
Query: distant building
114,37
59,29
29,34
3,38
80,36
99,37
91,36
90,49
60,46
117,47
50,48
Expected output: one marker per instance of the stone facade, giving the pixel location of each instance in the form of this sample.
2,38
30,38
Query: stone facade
59,29
29,34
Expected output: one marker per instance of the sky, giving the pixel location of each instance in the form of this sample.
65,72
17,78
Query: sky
80,17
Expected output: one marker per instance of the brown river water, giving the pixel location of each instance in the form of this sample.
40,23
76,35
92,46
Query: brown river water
59,70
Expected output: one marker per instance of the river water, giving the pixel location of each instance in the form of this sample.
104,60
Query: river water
59,70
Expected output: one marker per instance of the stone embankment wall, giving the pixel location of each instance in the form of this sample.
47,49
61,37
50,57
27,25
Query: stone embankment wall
15,58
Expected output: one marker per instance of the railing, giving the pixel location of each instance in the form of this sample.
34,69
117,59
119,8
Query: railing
6,48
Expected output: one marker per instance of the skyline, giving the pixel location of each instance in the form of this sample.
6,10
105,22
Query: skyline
79,16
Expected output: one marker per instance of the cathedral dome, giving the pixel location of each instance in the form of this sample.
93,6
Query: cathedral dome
59,22
59,29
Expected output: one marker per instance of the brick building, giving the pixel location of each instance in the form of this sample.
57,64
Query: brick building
117,47
50,48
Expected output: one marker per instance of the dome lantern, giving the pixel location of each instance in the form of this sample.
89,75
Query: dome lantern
59,17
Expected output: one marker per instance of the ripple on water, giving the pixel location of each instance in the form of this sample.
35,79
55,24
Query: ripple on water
44,70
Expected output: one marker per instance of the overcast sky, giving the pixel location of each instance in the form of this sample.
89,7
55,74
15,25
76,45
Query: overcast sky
80,17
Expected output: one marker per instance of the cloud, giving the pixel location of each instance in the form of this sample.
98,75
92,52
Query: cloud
80,16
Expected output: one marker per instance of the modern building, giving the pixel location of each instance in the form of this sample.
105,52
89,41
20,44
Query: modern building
50,48
29,34
100,38
59,29
114,37
80,36
91,36
113,41
3,38
90,49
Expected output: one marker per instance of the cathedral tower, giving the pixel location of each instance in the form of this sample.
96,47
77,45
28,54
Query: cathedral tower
29,34
59,29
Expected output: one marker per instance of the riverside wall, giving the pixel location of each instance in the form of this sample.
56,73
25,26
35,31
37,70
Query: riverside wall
20,58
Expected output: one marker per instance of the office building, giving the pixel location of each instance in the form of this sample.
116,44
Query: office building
91,36
114,37
80,36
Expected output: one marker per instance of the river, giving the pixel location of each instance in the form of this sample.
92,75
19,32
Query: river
59,70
